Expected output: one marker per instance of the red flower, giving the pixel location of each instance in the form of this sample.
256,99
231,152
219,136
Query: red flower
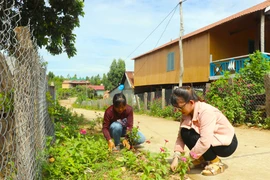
62,126
162,149
166,140
83,131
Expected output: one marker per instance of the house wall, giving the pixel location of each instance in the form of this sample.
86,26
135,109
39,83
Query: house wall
66,86
129,94
232,39
100,92
152,68
196,58
227,40
113,92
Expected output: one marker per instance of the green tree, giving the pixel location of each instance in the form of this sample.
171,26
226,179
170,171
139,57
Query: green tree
115,74
74,77
97,80
52,22
104,80
92,80
57,80
255,69
50,76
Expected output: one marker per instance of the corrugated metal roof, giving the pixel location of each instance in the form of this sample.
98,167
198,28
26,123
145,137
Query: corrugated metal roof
255,8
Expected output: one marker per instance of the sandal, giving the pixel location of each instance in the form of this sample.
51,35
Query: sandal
199,163
213,169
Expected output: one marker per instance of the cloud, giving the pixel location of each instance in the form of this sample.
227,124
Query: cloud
113,29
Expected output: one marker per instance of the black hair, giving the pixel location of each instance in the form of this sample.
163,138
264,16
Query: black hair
185,92
119,99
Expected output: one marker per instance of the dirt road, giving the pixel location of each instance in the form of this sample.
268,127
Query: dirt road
249,162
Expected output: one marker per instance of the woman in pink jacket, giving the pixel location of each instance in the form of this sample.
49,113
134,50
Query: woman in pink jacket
204,130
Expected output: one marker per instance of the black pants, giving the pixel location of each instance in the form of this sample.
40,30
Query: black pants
190,138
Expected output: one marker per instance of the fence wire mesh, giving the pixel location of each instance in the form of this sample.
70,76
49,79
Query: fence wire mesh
24,118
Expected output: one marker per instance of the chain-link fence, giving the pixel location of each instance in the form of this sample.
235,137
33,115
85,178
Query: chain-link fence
24,118
255,102
267,94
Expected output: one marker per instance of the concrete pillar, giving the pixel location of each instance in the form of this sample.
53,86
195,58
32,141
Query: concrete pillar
145,101
152,96
163,98
138,102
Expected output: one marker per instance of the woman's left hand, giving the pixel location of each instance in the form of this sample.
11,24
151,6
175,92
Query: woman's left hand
174,164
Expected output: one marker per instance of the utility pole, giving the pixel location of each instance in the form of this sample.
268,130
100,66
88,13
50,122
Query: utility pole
181,70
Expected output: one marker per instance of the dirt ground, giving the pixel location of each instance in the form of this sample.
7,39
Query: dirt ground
249,162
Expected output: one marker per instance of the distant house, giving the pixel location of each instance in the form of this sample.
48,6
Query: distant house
128,82
100,89
73,83
224,45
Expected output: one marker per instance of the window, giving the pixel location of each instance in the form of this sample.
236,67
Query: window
170,61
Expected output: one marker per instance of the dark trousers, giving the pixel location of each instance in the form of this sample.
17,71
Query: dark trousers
190,138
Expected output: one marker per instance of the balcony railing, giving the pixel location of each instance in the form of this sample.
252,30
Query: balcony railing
233,65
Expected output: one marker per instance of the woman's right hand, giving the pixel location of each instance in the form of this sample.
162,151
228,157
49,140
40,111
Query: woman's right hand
111,145
174,164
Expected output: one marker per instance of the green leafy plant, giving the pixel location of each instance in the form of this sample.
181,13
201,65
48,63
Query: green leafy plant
155,107
236,97
255,69
81,153
133,136
267,123
184,164
228,98
6,101
148,165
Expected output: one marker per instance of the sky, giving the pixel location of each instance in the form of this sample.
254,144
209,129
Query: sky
121,29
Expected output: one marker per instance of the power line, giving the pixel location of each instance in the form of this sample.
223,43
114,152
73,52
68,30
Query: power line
165,28
174,9
153,31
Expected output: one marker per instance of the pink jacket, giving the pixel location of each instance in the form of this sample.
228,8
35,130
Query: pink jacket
213,127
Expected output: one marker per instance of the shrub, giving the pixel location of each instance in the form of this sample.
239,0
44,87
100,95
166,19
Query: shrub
236,99
155,107
228,98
